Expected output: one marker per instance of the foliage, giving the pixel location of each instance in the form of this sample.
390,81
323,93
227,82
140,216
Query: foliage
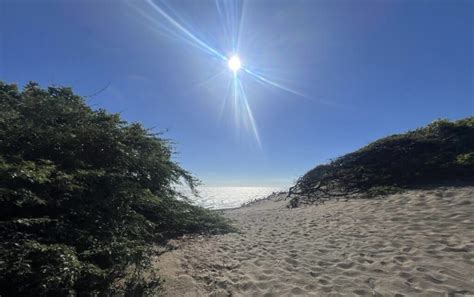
443,150
83,196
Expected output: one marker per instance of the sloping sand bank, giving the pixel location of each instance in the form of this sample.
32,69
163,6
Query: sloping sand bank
418,243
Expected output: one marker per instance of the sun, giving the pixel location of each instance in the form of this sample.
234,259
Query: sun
234,63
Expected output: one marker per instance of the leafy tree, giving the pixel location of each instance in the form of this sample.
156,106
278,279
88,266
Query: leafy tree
441,151
83,196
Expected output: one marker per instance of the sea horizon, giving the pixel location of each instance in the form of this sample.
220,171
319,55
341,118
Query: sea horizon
224,197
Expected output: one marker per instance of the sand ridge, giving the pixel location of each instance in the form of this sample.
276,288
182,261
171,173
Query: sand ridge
416,243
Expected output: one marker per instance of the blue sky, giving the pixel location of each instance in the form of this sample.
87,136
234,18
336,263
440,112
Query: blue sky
363,69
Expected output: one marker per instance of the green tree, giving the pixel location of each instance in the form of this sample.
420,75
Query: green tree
83,196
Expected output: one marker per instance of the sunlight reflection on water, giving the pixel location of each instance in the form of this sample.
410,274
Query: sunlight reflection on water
229,197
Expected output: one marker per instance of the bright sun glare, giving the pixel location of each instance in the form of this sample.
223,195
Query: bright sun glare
234,63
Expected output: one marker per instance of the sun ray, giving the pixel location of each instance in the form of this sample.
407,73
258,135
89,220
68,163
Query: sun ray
226,98
222,19
186,32
272,83
241,22
249,113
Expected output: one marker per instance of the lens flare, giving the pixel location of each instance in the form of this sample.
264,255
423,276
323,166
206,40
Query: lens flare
167,20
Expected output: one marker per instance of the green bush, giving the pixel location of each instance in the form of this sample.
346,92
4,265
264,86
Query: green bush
465,159
441,151
83,196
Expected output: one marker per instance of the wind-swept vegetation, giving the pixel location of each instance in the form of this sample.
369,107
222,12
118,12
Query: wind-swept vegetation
441,151
84,196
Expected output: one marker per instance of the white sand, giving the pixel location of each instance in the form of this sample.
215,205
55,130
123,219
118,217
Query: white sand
418,243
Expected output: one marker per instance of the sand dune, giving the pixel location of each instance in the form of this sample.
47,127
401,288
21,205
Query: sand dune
418,243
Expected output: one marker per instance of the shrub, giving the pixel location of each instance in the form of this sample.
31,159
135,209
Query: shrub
441,151
83,196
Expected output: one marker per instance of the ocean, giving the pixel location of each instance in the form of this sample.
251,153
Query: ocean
229,197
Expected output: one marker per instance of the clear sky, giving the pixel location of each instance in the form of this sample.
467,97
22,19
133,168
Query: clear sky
334,75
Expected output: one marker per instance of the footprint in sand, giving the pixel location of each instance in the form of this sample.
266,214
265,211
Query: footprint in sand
291,261
345,265
297,291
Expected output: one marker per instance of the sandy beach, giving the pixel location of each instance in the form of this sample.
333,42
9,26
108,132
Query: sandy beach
417,243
